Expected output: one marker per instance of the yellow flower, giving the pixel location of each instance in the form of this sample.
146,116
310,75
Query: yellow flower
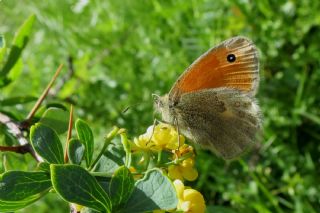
166,137
142,142
159,137
185,169
190,200
182,171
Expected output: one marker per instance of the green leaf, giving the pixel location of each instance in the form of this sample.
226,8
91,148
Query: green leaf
56,118
19,42
18,185
154,191
16,70
46,143
8,206
75,151
4,81
86,137
77,185
2,48
121,186
44,166
111,160
17,100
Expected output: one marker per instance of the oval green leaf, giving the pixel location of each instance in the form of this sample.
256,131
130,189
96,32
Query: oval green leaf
77,185
121,186
75,151
46,143
86,137
18,185
154,191
111,160
56,118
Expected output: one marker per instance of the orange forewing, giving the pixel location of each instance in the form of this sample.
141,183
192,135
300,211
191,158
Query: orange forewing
213,70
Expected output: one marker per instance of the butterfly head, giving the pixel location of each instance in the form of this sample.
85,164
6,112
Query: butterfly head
163,106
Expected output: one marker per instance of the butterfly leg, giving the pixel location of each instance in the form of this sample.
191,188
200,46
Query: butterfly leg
176,124
153,127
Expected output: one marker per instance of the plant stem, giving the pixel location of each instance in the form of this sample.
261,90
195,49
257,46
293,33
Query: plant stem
43,96
15,130
146,156
66,158
159,157
179,160
127,148
23,149
107,141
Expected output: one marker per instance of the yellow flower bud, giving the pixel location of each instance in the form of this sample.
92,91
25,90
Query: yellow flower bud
197,204
190,200
188,162
174,172
189,173
184,170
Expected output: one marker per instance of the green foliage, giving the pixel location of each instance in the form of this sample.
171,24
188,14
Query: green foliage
18,185
111,159
18,44
75,151
7,206
154,191
121,186
19,189
86,137
2,48
46,143
17,100
76,185
56,118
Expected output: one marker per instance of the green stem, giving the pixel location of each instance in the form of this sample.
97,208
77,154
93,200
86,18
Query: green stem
179,160
127,148
107,141
147,159
159,157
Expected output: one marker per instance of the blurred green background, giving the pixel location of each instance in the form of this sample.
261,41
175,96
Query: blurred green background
117,53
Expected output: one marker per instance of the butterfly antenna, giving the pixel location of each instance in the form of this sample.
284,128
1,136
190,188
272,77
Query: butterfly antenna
129,107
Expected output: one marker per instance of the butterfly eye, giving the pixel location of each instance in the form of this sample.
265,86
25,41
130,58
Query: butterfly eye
231,58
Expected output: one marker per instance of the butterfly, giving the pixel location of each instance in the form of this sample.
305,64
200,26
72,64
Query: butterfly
213,102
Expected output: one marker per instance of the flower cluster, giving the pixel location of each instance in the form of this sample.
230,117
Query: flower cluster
160,137
164,138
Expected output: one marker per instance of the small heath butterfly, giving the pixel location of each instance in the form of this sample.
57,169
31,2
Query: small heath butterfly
213,102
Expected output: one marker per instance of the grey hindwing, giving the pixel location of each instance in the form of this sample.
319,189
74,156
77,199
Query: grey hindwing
223,120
